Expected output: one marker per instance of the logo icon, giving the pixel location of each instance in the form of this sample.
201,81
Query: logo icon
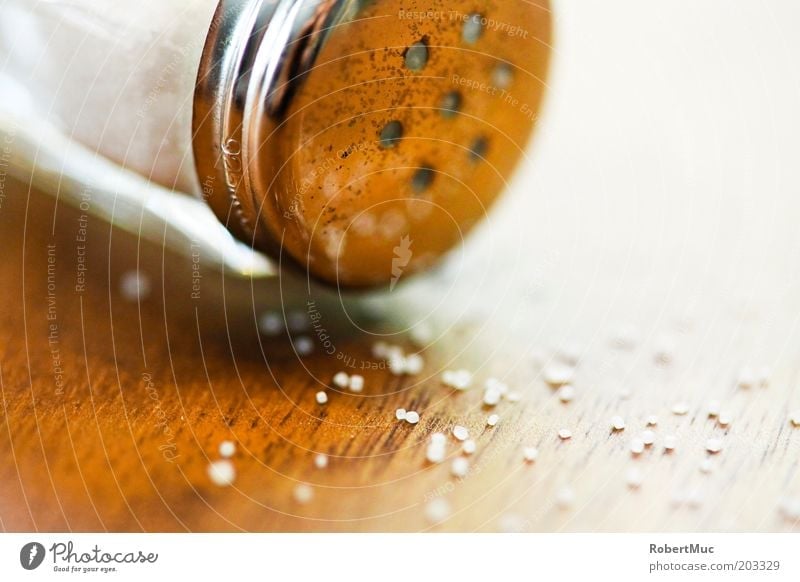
31,555
402,257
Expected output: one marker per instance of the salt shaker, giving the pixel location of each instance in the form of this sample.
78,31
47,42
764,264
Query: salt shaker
356,140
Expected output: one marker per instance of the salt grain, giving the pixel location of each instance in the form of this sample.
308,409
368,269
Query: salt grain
637,446
271,324
341,380
460,432
458,379
514,397
222,473
320,461
436,453
469,447
304,346
566,393
493,420
303,494
618,423
789,507
652,420
558,374
437,510
724,419
414,364
322,397
746,379
634,478
714,408
492,397
670,442
438,438
564,434
412,417
400,414
530,454
713,446
565,498
135,286
459,467
680,409
794,418
648,437
227,449
707,466
356,383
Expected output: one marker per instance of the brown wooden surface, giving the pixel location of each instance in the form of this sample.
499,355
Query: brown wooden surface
108,454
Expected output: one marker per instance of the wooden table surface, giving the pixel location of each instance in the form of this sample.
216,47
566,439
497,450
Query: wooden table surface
659,253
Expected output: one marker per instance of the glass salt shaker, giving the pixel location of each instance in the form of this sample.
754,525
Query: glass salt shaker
357,140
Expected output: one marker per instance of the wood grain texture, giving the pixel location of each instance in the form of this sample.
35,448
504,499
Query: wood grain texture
112,452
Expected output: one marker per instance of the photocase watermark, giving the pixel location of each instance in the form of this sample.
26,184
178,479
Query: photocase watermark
197,274
53,331
402,258
67,558
168,448
323,168
81,240
471,18
5,160
496,90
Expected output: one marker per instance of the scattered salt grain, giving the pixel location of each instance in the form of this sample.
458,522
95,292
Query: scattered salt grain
637,446
763,377
459,467
436,453
322,397
492,397
680,409
648,437
558,374
422,334
789,507
707,466
341,380
304,346
356,383
670,442
713,446
412,417
380,350
400,414
634,478
746,379
714,407
724,419
652,420
530,454
564,434
227,449
437,510
271,324
438,438
566,393
617,423
458,379
469,447
320,461
414,364
665,351
303,494
460,432
493,420
222,473
794,418
514,397
565,498
135,286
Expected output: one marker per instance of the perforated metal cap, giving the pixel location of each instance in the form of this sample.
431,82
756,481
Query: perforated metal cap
363,139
